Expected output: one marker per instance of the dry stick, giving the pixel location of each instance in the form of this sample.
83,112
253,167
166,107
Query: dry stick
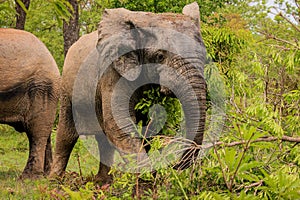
289,21
262,139
280,47
270,36
137,186
248,187
137,175
141,148
201,147
259,183
279,13
222,168
79,165
240,162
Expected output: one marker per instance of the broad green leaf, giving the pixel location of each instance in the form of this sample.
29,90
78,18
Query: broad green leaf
248,166
229,157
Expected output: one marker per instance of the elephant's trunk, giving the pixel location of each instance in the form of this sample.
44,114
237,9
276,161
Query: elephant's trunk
192,95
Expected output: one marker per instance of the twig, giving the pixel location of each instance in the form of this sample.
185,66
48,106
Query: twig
281,47
289,21
239,163
192,145
262,139
270,36
137,186
222,168
79,165
259,183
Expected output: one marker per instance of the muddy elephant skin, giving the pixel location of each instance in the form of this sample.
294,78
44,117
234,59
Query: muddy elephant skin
141,35
29,93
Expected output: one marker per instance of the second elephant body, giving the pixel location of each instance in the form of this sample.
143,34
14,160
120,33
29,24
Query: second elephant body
29,92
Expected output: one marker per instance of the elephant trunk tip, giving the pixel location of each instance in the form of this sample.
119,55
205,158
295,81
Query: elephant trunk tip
188,158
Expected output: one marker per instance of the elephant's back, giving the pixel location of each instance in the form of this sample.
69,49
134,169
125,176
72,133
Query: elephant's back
23,57
75,57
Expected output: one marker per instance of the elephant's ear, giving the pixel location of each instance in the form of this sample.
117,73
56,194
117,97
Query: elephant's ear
120,47
192,10
127,66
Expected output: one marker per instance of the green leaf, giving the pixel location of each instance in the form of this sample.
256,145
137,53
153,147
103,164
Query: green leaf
73,195
22,6
247,166
230,158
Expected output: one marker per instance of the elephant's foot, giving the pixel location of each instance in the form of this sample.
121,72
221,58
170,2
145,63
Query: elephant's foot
58,166
26,174
55,172
103,175
33,169
103,179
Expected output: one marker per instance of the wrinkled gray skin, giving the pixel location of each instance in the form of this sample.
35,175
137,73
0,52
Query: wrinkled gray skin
117,128
29,92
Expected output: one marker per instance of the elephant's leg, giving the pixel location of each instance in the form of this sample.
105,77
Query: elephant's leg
66,138
35,163
121,132
48,157
39,125
106,152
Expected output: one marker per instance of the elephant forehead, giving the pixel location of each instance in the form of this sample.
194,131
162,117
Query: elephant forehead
116,21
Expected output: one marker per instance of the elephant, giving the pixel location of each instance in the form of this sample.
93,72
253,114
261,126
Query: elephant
29,94
105,73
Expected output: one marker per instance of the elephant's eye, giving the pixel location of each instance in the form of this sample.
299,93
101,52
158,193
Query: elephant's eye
160,57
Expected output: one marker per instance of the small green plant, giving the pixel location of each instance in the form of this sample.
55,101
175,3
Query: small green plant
172,111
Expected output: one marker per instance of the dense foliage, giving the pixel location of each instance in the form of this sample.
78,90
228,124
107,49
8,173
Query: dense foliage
254,70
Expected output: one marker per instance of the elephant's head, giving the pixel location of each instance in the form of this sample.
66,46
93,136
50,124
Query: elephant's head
165,49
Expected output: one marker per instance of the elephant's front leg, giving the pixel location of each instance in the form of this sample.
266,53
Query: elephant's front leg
120,131
106,151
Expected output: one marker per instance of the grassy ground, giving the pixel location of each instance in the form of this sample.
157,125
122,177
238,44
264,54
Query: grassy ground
13,157
262,171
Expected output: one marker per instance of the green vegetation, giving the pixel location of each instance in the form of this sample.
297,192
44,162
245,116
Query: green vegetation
255,61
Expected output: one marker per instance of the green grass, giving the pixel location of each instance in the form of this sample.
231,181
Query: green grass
13,158
210,178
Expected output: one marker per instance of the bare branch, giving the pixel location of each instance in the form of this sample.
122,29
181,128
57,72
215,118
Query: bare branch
281,47
240,162
259,183
270,36
262,139
289,21
189,144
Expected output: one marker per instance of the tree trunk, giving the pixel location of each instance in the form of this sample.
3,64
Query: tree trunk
21,14
71,28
